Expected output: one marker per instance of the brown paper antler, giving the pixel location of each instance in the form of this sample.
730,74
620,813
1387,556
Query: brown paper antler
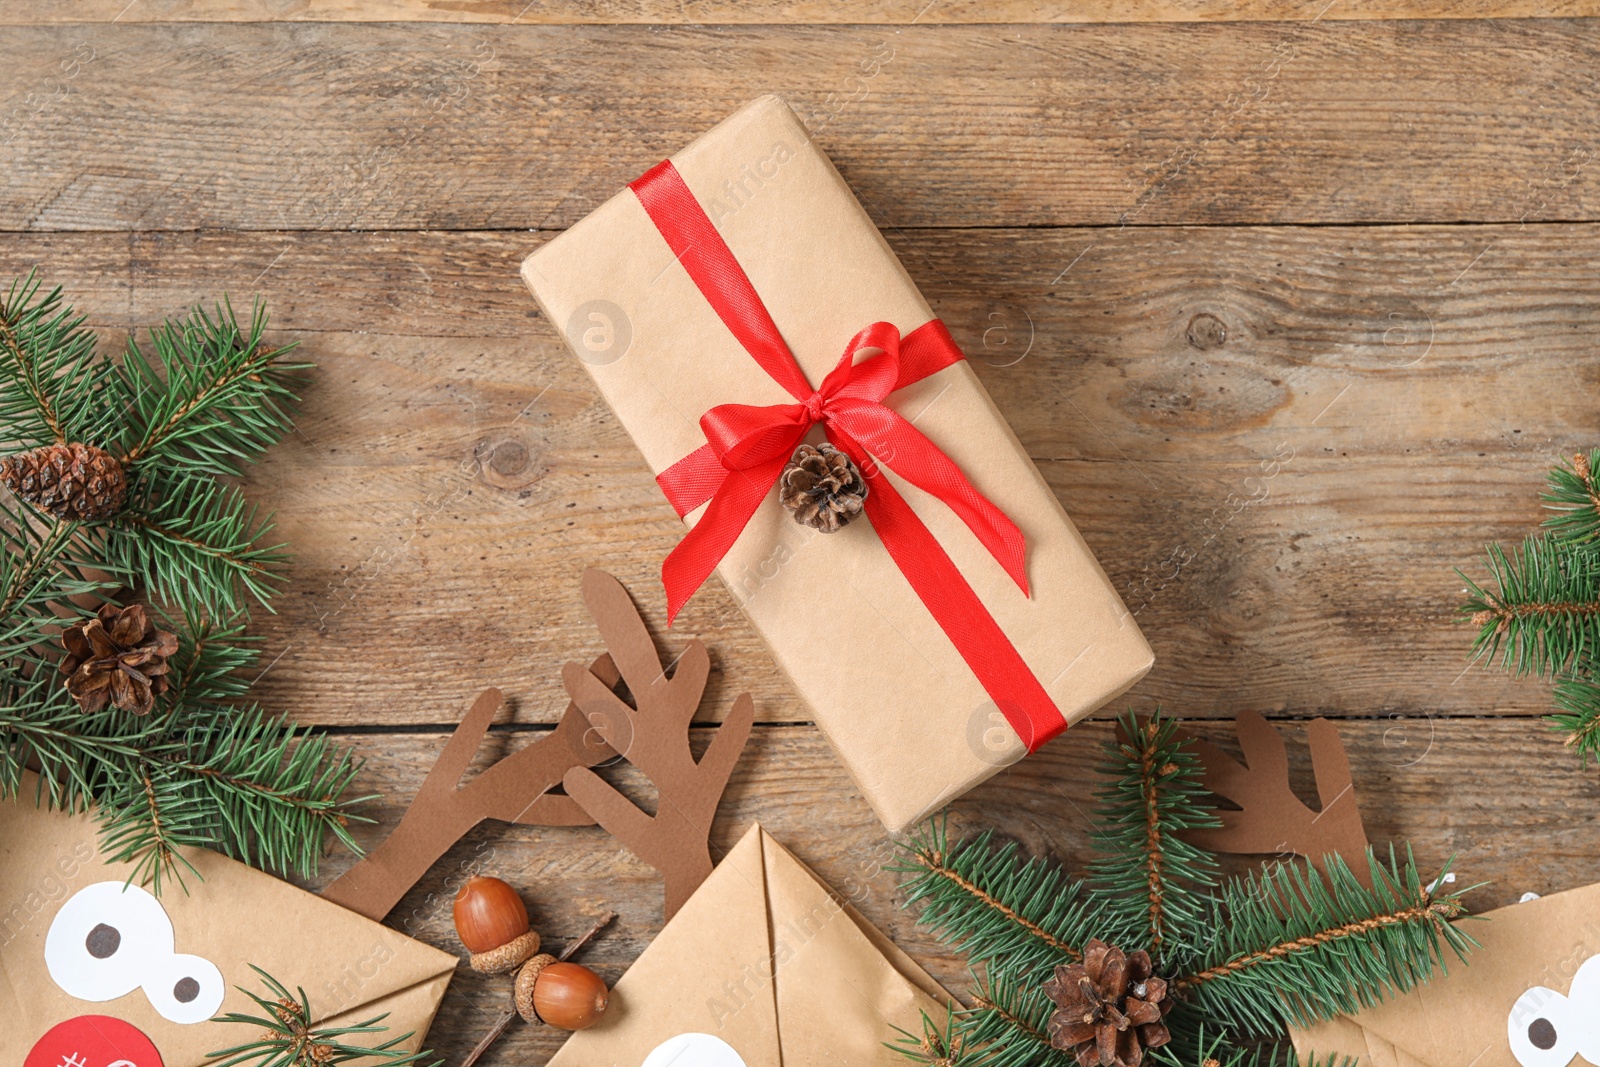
655,738
516,789
1274,819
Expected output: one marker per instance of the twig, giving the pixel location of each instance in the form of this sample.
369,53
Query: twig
589,935
1437,911
501,1025
934,863
35,564
1011,1020
1542,608
28,371
232,559
248,369
1153,853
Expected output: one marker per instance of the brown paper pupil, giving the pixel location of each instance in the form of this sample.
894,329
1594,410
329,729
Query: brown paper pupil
186,990
103,941
1542,1033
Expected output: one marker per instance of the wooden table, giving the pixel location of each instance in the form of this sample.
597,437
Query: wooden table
1292,302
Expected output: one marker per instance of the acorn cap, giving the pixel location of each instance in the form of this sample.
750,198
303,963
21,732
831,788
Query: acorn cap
527,978
508,956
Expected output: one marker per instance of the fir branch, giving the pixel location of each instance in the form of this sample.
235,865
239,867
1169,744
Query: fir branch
25,375
1544,615
1005,1027
1149,882
237,780
200,771
209,397
1574,495
1358,928
210,664
53,389
27,570
991,904
245,783
290,1037
1578,715
197,541
1333,1059
1032,1030
40,583
1150,772
932,1045
1295,947
1545,618
161,853
1205,1047
74,755
1243,959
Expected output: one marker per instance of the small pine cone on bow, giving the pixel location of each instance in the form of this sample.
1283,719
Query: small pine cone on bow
117,657
822,487
1109,1007
70,481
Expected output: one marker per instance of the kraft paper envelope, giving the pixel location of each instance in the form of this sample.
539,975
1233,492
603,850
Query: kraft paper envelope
1529,996
914,726
94,973
763,967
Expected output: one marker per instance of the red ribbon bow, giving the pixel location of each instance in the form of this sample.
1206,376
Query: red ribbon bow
747,447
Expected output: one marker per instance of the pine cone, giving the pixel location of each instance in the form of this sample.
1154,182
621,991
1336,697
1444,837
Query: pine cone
118,656
71,481
1110,1007
822,487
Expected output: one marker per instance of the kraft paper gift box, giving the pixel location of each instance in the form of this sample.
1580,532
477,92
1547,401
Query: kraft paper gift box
1528,996
97,973
905,712
763,967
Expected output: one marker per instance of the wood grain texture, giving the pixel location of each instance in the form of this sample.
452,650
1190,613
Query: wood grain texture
330,126
889,12
1418,779
1279,442
1293,313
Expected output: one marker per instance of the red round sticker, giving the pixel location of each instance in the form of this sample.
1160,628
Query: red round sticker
94,1041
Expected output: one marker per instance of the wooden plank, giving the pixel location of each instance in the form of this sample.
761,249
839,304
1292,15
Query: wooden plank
454,469
1419,779
890,12
312,126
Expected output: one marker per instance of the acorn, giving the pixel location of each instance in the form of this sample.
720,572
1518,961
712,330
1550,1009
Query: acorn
568,996
492,922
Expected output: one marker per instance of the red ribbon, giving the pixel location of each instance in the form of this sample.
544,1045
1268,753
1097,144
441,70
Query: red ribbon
747,447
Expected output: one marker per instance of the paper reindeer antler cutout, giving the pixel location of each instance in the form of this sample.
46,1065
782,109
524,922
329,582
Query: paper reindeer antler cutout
1273,819
595,727
654,736
516,789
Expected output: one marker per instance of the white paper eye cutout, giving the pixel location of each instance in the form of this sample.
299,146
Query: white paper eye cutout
184,989
1544,1028
694,1050
1584,995
111,938
102,940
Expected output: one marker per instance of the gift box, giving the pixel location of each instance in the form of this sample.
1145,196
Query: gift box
765,966
737,301
99,972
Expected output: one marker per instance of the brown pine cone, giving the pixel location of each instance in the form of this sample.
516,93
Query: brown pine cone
118,657
1110,1007
822,487
70,481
